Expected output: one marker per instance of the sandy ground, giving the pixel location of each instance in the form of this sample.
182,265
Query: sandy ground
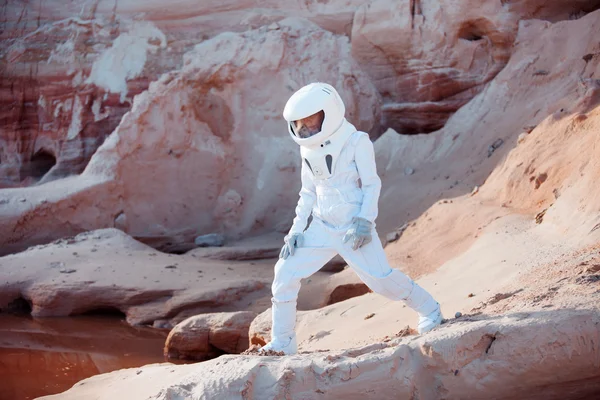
507,250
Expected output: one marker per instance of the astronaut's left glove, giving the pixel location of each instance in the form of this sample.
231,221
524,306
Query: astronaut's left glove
291,243
359,232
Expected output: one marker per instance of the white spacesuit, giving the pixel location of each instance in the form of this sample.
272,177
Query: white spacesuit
340,187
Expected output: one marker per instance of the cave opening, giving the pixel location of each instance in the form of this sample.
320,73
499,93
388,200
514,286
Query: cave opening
39,165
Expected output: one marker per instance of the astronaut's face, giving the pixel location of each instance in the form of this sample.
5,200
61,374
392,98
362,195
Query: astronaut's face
309,126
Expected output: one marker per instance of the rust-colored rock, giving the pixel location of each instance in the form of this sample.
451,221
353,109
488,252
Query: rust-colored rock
66,86
204,150
259,332
347,291
207,335
428,59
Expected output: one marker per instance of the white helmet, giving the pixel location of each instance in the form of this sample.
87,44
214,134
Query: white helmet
310,100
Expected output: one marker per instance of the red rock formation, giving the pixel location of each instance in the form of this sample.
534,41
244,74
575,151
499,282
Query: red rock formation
65,87
68,72
204,149
429,58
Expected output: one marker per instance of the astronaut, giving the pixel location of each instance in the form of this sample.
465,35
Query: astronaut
340,188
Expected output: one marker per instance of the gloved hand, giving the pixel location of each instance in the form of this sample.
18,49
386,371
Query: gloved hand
359,232
292,242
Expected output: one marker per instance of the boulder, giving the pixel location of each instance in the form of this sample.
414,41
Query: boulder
204,336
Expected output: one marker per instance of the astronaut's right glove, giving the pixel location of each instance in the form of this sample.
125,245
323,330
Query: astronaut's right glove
292,242
359,232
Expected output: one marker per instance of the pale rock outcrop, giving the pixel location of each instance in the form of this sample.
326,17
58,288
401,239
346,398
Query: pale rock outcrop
108,270
454,160
204,150
208,335
70,70
515,356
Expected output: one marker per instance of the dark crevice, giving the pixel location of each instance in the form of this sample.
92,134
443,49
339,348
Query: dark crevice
109,312
472,37
474,30
492,340
415,9
18,306
38,166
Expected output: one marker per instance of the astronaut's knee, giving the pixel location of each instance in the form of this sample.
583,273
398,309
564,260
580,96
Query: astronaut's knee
284,289
381,275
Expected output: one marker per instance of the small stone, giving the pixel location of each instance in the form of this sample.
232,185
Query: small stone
471,295
4,201
22,200
522,137
409,171
556,193
475,191
494,146
171,266
67,271
458,315
539,217
541,72
370,316
392,237
593,269
210,240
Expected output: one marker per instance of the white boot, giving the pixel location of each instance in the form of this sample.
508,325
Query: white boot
287,345
430,314
430,321
283,335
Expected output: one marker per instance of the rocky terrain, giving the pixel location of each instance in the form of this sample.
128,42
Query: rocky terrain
484,118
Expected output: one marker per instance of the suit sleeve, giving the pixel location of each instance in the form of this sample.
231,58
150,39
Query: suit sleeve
364,157
308,197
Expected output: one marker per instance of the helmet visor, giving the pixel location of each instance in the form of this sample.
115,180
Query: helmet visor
309,126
